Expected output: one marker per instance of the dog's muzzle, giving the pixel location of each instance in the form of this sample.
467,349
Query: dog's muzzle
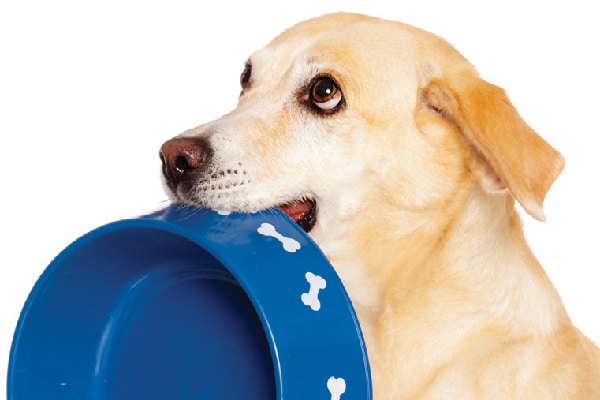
186,159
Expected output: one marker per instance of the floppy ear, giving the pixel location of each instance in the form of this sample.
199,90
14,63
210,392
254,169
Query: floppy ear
510,154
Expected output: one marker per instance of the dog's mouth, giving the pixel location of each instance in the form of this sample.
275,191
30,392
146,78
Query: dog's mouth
303,212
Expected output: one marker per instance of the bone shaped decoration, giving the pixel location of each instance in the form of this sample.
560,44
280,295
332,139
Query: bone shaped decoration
311,298
290,245
223,212
337,387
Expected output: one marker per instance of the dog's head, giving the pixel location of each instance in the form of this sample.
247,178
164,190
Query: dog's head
347,118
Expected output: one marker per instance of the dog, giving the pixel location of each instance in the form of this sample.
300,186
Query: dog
382,142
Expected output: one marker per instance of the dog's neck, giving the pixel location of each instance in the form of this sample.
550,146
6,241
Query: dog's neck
445,269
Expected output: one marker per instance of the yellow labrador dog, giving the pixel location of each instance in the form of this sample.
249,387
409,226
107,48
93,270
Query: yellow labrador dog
383,143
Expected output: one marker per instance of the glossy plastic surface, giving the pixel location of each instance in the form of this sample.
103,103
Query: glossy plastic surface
190,304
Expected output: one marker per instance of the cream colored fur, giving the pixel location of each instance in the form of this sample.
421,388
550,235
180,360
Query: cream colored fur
415,180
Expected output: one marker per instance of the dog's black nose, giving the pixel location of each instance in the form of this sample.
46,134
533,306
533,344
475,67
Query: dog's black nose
182,156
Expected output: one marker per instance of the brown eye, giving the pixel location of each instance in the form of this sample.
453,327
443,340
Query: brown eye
245,76
325,94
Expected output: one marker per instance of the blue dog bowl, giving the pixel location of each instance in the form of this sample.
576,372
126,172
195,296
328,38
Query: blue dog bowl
188,303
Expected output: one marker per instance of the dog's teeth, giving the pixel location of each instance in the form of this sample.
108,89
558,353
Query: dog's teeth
296,210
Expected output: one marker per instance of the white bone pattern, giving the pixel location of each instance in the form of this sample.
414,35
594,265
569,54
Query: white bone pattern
311,298
337,387
223,212
290,245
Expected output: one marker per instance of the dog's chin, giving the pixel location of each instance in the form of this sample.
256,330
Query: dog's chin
303,212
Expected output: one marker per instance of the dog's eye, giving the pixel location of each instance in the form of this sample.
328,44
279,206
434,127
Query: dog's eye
245,76
325,94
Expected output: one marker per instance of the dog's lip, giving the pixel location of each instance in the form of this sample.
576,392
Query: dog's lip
302,211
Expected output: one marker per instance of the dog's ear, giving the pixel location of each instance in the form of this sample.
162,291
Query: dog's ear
508,152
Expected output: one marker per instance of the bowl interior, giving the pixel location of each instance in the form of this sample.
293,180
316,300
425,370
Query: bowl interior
142,313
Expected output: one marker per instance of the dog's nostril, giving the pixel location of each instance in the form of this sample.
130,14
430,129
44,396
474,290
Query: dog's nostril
181,165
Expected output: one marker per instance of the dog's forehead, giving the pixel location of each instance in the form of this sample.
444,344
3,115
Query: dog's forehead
298,39
352,41
311,28
341,31
371,41
365,40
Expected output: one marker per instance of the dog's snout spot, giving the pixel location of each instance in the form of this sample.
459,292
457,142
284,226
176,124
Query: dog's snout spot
182,156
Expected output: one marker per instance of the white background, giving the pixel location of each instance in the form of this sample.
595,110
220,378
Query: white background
89,91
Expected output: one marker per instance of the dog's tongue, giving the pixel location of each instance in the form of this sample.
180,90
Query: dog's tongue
296,210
